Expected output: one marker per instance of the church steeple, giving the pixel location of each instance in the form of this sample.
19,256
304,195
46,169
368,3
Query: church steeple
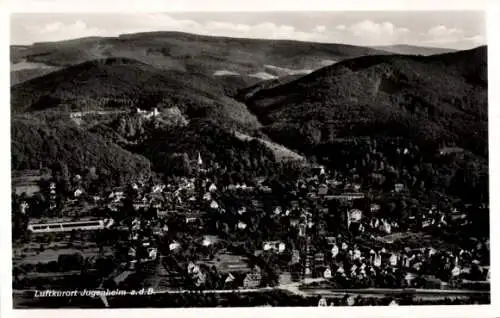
200,162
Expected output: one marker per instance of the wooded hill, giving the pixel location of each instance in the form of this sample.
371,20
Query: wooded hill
190,52
440,99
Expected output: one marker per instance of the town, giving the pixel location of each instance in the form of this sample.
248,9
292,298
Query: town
324,237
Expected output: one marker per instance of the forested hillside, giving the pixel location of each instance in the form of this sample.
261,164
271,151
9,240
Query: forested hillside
38,143
126,84
215,144
435,100
206,96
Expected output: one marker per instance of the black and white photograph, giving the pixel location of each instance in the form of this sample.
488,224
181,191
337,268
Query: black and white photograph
249,159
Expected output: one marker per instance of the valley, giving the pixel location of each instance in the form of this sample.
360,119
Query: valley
240,166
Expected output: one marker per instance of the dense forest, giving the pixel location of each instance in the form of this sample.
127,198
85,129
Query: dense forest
216,146
121,83
431,100
38,143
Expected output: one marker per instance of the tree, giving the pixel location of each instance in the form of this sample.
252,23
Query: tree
19,221
186,164
64,177
68,262
90,178
46,102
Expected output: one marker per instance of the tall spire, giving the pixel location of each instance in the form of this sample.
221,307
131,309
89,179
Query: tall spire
348,219
200,162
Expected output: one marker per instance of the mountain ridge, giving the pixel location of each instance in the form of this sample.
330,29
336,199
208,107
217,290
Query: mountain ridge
413,49
123,82
397,89
190,52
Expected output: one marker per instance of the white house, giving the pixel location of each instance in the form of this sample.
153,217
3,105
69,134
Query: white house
242,210
385,227
192,268
355,215
398,187
229,278
152,253
322,303
377,260
24,206
351,301
335,250
206,242
164,229
409,278
253,279
274,246
132,252
191,219
357,254
207,196
295,257
78,192
302,230
212,188
158,188
281,247
214,205
174,246
393,260
455,272
242,225
134,237
327,273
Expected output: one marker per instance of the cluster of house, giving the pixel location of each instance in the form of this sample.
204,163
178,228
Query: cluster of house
320,184
52,196
147,114
352,264
191,198
350,300
142,241
435,218
378,263
231,276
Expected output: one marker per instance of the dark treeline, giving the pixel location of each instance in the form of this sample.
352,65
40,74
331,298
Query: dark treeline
174,150
37,143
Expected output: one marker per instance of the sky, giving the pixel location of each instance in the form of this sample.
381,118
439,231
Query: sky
447,29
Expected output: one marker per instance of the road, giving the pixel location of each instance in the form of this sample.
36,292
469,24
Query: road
301,288
434,294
